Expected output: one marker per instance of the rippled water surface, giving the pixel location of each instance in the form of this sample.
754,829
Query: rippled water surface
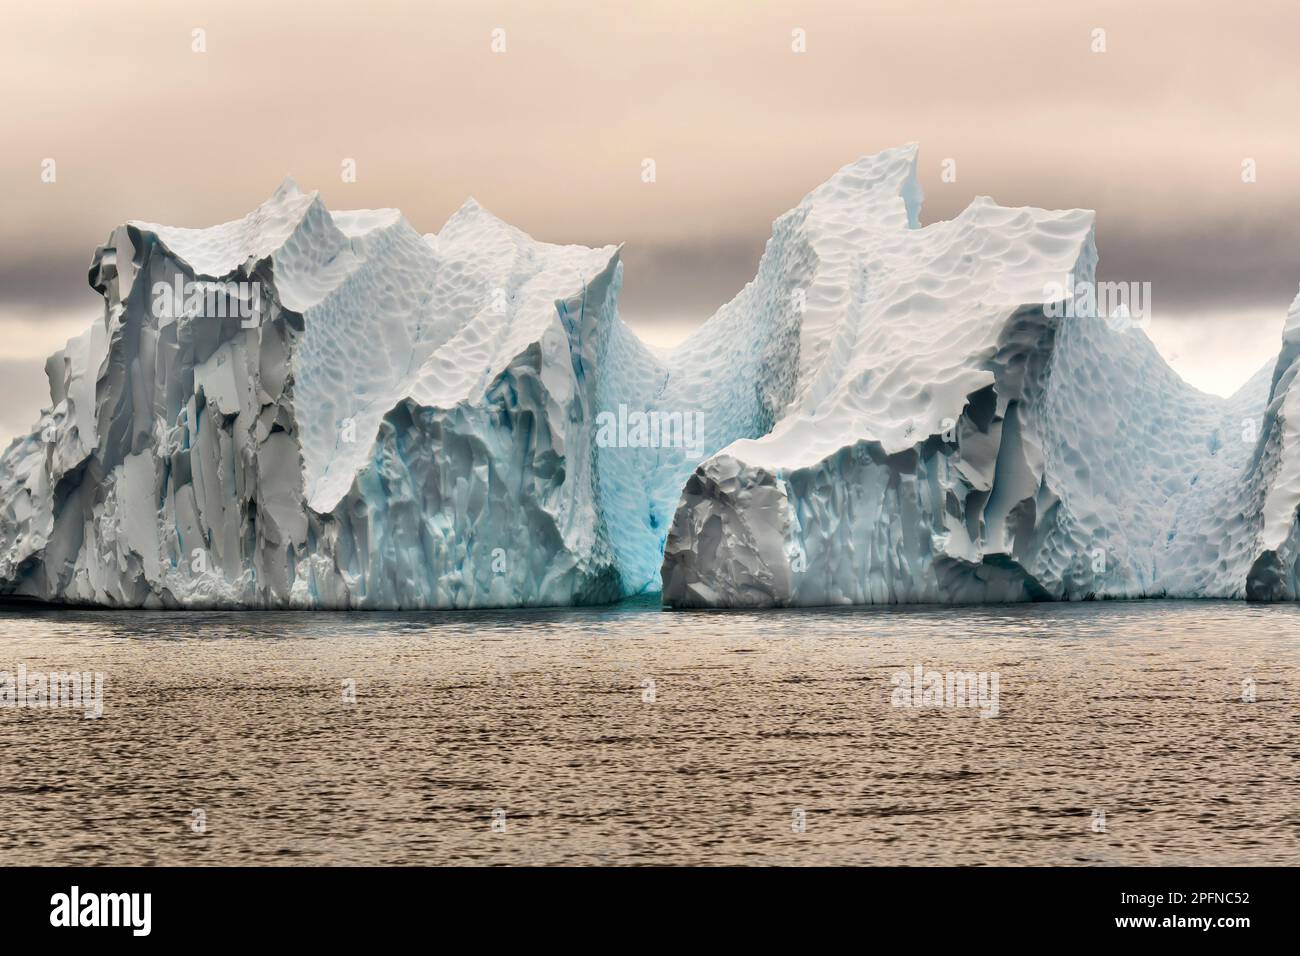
631,735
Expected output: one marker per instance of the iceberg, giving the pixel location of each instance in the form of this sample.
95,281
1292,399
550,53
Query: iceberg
404,422
959,434
316,409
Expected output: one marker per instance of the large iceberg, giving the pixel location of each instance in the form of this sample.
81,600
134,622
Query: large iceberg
329,410
960,434
396,421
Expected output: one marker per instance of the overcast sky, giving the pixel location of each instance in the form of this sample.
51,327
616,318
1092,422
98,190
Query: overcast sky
550,135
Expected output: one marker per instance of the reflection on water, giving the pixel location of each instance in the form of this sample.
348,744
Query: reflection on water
631,735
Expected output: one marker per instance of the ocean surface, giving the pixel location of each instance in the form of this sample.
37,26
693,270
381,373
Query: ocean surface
1124,733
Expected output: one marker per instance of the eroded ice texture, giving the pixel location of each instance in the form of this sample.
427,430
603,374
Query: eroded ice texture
407,423
886,413
951,441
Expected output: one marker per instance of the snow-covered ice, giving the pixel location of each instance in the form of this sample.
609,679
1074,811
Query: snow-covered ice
954,439
348,414
404,423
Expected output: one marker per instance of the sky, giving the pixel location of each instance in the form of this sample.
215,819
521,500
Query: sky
1153,122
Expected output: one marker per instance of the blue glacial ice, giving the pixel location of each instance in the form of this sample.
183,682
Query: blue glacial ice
339,412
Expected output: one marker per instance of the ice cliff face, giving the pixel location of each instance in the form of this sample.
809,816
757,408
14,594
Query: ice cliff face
313,409
955,438
907,453
357,416
1271,531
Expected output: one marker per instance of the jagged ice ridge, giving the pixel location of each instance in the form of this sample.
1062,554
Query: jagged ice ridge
334,411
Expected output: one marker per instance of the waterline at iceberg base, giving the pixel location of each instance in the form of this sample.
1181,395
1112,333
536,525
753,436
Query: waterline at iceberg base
370,418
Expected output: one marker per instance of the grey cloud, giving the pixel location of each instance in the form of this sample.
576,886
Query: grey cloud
1207,263
687,280
45,283
550,135
25,393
